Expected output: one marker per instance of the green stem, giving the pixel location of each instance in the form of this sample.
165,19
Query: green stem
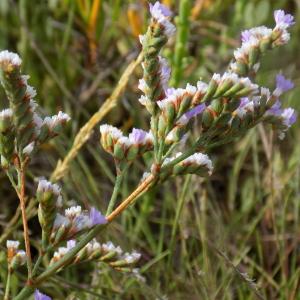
8,281
182,22
113,199
37,264
177,215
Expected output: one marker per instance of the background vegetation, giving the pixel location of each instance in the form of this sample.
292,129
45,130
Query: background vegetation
198,239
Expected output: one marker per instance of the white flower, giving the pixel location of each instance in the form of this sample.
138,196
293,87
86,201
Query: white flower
113,131
142,85
199,159
110,247
6,113
202,87
216,77
55,120
144,100
73,211
30,92
131,258
12,244
142,38
10,57
29,148
62,251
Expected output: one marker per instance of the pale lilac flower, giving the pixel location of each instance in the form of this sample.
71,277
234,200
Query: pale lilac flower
157,10
275,109
45,186
39,296
245,36
71,244
243,102
283,84
96,217
185,118
165,72
138,136
162,15
289,117
256,32
283,20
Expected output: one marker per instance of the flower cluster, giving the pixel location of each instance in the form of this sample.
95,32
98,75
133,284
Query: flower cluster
198,163
227,106
113,255
15,257
21,127
125,148
73,222
257,40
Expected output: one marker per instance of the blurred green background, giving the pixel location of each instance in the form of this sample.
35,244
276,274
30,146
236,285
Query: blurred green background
199,239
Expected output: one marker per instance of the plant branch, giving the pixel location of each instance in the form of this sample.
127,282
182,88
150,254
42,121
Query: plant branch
113,199
22,197
8,281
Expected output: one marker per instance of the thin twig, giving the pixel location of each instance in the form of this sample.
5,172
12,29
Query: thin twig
22,198
86,131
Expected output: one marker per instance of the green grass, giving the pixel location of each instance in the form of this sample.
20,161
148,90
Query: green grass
198,238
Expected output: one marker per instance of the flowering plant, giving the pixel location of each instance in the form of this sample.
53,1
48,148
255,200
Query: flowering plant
225,107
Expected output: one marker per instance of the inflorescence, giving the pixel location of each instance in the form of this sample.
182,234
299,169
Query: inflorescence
226,106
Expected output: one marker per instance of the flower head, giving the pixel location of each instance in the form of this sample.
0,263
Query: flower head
283,84
29,148
165,72
9,59
96,217
139,137
162,15
56,120
289,117
191,113
39,296
283,20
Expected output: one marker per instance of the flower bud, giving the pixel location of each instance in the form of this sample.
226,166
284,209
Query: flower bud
15,257
7,136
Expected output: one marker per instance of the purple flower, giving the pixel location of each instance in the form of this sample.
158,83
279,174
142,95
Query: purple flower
289,116
159,9
184,119
283,84
245,36
275,109
162,15
165,72
71,244
244,102
195,111
39,296
96,217
283,20
138,136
